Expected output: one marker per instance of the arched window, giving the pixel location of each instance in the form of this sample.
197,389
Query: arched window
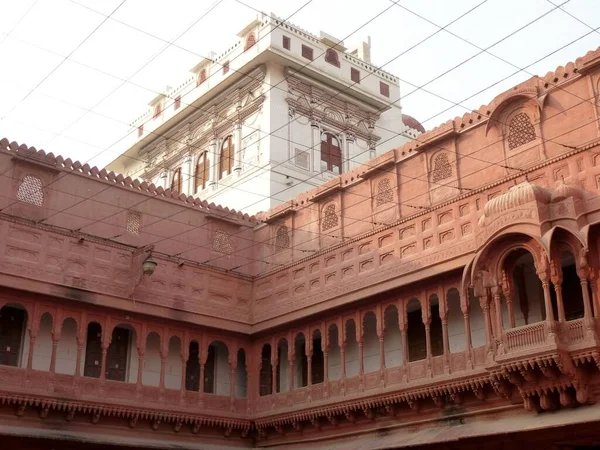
331,154
384,193
330,218
176,180
250,41
441,167
202,171
331,56
282,238
201,77
30,190
520,131
226,158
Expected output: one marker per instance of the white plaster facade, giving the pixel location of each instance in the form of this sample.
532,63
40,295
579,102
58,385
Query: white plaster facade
276,99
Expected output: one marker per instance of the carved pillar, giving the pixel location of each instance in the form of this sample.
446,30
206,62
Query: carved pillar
583,274
594,286
343,360
309,351
32,337
214,162
404,339
361,362
237,150
140,374
508,296
551,324
292,362
274,364
326,365
80,342
55,339
466,309
496,292
163,368
316,145
426,318
184,358
232,369
349,151
103,367
446,342
485,307
557,279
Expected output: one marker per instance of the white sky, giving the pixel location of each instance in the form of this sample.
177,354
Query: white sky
77,99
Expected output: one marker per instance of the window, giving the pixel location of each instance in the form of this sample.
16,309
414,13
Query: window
133,222
282,238
384,193
178,102
225,67
176,180
307,52
202,171
30,190
286,42
157,111
221,242
250,41
330,218
331,153
355,75
384,89
141,130
201,77
520,131
332,57
441,167
226,158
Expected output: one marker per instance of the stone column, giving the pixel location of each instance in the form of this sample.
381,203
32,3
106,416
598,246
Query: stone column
274,365
361,362
103,367
583,274
497,296
309,364
343,365
292,362
404,343
485,307
214,163
140,375
326,366
80,342
184,359
187,181
427,323
557,282
508,296
32,337
163,367
316,145
468,340
232,369
55,339
446,342
237,149
594,286
350,139
550,321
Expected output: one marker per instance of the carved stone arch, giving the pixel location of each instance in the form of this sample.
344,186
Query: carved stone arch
488,262
576,242
507,102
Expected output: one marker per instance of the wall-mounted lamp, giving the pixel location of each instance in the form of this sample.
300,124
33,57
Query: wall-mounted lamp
149,266
142,265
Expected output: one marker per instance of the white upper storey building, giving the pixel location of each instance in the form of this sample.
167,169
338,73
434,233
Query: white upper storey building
279,112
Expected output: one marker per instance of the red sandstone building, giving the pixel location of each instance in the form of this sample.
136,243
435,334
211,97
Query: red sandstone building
443,295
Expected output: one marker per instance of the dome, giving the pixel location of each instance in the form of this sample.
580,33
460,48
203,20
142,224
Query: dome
564,191
411,122
516,196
